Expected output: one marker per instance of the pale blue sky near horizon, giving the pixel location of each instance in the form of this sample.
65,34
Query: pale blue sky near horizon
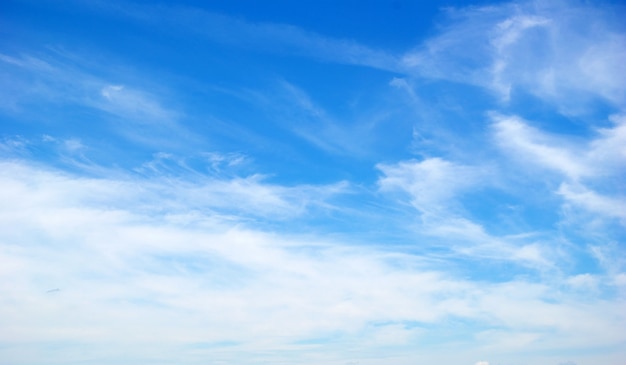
312,182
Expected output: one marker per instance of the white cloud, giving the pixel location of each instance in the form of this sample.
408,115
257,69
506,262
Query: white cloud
609,256
62,79
566,53
293,109
608,150
506,34
16,145
92,240
172,277
431,183
583,282
134,105
528,144
247,196
181,266
582,197
73,145
268,36
109,91
435,188
469,239
582,165
620,280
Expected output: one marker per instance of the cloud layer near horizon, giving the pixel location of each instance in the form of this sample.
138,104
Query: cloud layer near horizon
87,273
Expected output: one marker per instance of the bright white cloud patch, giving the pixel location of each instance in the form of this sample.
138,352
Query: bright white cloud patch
431,183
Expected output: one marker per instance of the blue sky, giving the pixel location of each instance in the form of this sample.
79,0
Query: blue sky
312,182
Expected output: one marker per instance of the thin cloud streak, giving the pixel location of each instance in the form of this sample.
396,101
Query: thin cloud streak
264,36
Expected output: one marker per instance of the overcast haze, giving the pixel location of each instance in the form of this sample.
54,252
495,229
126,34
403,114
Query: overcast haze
312,182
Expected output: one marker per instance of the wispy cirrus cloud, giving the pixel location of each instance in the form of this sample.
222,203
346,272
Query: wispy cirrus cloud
582,165
265,36
181,187
436,188
567,53
134,105
56,78
593,202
